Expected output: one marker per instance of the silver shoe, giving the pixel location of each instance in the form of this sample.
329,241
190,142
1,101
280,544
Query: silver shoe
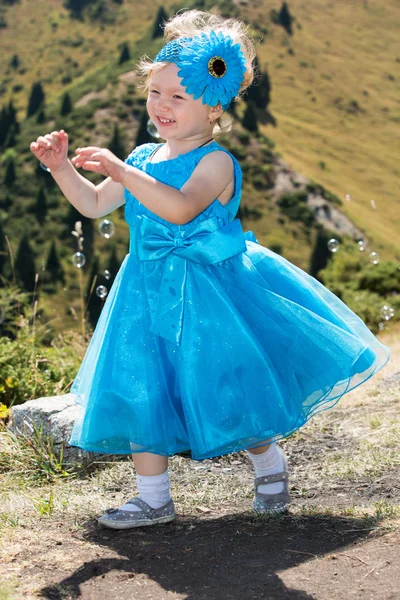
126,519
272,503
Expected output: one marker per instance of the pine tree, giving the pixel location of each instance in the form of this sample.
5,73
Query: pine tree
10,175
36,99
321,253
12,112
95,303
249,118
53,270
143,136
15,61
113,265
116,144
4,125
259,91
41,206
25,265
285,18
125,54
66,104
158,27
41,117
3,249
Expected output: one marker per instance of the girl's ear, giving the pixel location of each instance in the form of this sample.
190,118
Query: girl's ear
215,112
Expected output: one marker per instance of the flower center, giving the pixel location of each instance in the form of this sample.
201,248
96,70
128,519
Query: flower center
217,66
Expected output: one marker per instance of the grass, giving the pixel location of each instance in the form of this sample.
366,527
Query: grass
350,60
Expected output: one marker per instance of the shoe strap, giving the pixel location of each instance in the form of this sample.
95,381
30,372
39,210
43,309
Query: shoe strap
283,476
146,508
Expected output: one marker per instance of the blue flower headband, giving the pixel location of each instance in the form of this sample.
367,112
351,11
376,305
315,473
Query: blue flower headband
210,66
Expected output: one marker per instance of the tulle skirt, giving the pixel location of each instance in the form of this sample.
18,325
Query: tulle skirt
264,346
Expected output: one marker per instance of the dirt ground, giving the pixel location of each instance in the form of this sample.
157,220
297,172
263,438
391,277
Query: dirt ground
339,540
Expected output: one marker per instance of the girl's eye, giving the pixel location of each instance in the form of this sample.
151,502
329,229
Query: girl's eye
176,96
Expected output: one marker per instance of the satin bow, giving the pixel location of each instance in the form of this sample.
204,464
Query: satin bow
207,244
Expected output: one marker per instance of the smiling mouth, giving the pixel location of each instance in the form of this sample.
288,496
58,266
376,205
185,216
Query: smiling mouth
165,121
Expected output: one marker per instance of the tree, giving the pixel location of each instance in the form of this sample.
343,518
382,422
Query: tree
66,104
15,61
285,18
41,206
259,91
10,175
95,303
53,270
321,253
25,264
116,144
113,265
143,136
36,99
158,26
3,249
249,118
4,125
41,116
9,126
125,53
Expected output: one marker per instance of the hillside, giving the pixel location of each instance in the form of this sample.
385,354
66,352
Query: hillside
333,116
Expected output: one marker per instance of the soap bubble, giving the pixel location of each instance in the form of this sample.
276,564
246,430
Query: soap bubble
79,259
107,274
333,245
101,291
44,167
152,129
348,197
373,205
387,312
381,326
374,257
361,245
107,228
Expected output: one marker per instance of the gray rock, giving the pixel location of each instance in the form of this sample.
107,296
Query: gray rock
56,416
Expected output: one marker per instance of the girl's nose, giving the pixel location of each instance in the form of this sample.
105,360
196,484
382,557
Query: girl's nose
162,103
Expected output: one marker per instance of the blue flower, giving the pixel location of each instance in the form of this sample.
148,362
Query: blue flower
212,67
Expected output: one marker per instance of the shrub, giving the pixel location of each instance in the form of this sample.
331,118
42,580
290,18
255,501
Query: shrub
293,206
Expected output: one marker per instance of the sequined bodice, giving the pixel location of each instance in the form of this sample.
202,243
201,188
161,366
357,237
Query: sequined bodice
175,172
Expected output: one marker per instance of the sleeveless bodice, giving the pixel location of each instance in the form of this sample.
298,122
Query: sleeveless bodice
176,172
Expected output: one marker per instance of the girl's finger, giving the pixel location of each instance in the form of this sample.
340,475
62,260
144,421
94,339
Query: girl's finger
93,166
88,149
43,142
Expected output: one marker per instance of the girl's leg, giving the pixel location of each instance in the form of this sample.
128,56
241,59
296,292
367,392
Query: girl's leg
147,463
268,460
152,480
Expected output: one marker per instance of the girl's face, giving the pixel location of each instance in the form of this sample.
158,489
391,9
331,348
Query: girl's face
167,100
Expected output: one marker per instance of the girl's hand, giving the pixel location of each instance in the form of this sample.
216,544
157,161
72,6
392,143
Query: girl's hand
52,150
100,160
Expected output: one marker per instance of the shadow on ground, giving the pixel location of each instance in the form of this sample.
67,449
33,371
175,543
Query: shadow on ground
237,557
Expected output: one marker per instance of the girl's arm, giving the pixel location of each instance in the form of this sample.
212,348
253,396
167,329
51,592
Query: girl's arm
90,200
52,150
209,179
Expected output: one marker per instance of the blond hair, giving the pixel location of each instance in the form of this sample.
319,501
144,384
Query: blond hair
194,22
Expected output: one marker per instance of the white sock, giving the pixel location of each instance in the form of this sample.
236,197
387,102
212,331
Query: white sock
269,462
153,489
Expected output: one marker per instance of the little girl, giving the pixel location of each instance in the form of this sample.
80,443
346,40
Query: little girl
207,341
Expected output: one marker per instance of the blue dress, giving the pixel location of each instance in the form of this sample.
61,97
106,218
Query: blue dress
209,341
